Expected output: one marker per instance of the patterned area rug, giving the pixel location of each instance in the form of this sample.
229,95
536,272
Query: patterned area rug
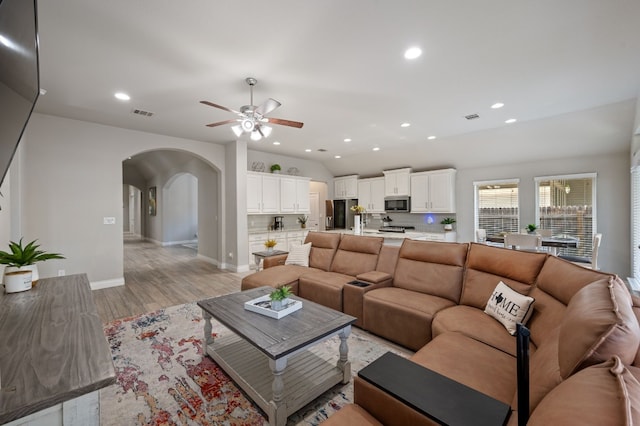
163,378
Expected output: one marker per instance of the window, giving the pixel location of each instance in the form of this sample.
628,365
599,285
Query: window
497,206
566,206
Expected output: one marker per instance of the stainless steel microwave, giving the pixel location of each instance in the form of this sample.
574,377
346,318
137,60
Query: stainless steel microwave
397,204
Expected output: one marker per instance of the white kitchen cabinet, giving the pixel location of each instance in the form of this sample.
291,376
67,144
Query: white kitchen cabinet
433,236
263,193
371,194
294,195
433,192
397,182
345,187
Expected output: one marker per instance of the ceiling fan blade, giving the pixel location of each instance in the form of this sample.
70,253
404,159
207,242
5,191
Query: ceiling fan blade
267,106
220,123
282,122
219,107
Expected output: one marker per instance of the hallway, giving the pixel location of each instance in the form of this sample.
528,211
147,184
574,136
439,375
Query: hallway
158,277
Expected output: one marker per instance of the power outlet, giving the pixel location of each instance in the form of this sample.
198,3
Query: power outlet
109,220
61,272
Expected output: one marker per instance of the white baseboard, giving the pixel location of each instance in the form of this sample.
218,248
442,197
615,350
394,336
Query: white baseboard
151,240
99,285
226,266
176,243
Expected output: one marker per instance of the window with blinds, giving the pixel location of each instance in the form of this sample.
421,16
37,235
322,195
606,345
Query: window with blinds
566,207
635,222
497,206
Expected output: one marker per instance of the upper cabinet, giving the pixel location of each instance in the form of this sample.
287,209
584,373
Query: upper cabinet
433,192
397,182
294,195
263,193
345,187
371,194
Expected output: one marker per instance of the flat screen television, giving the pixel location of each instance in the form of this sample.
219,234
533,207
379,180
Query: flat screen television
19,74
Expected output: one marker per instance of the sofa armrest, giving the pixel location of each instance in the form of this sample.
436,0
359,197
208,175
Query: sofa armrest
428,393
270,261
353,297
374,277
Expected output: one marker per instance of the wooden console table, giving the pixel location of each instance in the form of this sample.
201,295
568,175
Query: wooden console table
54,355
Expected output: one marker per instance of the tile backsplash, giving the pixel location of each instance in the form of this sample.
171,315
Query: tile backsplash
423,222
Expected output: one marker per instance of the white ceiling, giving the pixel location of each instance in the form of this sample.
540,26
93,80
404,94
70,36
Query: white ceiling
338,67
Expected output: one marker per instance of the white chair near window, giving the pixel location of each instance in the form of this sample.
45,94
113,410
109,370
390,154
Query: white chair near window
526,242
587,262
481,236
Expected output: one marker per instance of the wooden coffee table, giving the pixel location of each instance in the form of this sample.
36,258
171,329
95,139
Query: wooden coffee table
271,359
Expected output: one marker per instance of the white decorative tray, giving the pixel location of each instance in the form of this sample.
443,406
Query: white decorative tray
262,305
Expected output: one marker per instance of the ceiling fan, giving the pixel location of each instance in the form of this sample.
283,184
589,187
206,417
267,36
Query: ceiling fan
252,119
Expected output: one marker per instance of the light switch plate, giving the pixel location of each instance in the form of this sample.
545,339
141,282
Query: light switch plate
109,220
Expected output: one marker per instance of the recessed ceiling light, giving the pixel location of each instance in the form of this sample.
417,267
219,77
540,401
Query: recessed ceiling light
405,125
122,96
431,138
347,140
511,120
412,53
337,156
497,105
276,143
307,150
376,149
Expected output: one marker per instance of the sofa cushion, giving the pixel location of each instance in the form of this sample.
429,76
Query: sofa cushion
471,363
324,288
486,266
276,276
431,267
351,415
556,284
544,370
599,322
356,255
299,255
323,248
402,316
509,307
604,394
474,323
387,259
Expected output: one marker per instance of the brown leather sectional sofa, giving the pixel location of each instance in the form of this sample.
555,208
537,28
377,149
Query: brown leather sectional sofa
430,297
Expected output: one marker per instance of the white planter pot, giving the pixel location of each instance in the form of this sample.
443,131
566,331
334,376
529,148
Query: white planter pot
19,280
448,227
33,268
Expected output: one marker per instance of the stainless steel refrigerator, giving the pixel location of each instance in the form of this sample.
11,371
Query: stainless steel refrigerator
342,213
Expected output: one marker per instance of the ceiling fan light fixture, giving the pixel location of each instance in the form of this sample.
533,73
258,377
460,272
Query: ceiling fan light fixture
256,136
247,125
237,130
266,130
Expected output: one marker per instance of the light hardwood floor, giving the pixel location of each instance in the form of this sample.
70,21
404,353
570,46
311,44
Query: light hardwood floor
158,277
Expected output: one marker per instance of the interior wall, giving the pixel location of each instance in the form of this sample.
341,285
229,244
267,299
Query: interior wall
180,196
309,168
612,192
73,178
236,254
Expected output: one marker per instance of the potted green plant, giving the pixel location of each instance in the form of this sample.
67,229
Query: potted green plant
25,257
448,223
303,221
531,228
279,297
275,168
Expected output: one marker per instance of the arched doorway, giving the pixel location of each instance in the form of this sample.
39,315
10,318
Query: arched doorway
187,200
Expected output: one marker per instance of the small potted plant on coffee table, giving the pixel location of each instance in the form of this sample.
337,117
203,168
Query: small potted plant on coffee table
279,297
